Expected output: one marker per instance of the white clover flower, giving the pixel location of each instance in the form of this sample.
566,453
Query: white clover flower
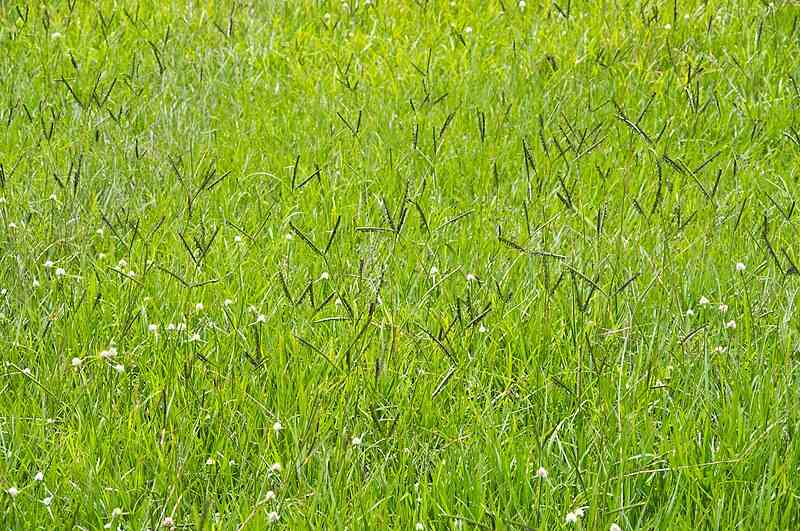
273,517
471,277
338,301
12,491
614,527
171,327
270,495
541,473
116,513
740,266
356,441
152,328
227,302
209,462
667,26
571,518
237,239
275,468
47,501
277,426
689,312
289,236
434,271
703,301
36,283
730,324
77,362
131,273
261,318
168,521
521,5
723,307
60,272
420,526
199,307
194,337
325,275
39,476
120,368
468,30
579,512
48,264
12,225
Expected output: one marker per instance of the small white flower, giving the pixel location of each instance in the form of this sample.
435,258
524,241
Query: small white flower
541,473
730,324
434,271
12,225
122,264
273,517
76,362
276,468
579,512
131,273
12,491
719,349
152,328
270,495
324,276
289,236
26,371
237,239
209,462
227,302
468,30
723,307
36,283
261,318
55,35
471,277
277,426
356,441
482,329
48,264
667,26
194,337
703,301
99,231
199,307
614,527
60,272
571,518
47,501
2,200
39,476
420,526
689,312
521,5
120,368
338,301
740,266
116,513
168,522
171,327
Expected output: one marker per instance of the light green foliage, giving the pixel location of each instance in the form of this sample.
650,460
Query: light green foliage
472,236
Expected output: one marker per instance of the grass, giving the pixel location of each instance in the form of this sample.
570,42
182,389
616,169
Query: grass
441,244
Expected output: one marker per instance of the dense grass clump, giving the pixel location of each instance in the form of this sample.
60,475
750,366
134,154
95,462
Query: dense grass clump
399,264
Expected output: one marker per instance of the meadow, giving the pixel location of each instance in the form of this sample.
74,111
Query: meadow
412,264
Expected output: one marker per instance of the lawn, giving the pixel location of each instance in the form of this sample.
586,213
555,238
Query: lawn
399,265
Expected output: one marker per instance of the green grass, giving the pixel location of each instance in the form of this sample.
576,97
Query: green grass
515,208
